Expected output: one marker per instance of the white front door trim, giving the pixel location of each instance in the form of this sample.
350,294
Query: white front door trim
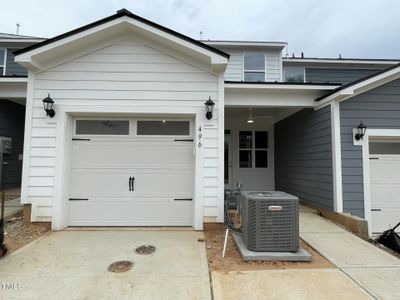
364,143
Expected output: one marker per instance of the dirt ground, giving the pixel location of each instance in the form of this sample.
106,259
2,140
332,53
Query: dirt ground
214,240
19,234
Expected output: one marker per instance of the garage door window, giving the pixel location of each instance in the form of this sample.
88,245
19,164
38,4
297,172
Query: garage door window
102,127
163,127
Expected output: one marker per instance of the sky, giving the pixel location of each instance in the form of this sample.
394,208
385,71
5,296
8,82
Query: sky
319,28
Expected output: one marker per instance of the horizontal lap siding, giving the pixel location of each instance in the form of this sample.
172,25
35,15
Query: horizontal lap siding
336,74
377,108
12,120
12,67
303,156
128,74
234,71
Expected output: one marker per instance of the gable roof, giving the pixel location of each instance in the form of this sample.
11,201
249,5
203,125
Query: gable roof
121,13
362,85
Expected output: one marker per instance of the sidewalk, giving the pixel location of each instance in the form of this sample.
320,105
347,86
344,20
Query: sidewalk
374,270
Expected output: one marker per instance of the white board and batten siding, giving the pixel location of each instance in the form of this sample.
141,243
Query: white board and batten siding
235,69
128,77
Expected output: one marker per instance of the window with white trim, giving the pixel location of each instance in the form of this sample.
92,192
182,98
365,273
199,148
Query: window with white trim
294,74
253,149
2,61
254,66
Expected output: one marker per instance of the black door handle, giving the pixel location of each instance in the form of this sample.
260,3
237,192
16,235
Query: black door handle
133,183
130,183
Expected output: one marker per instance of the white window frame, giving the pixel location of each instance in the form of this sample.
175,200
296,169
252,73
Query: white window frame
253,149
79,135
135,134
255,71
4,65
304,73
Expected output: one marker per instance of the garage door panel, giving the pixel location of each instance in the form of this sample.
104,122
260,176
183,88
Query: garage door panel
385,191
147,213
104,182
131,154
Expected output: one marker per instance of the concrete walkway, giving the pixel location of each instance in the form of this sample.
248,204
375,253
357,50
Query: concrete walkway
73,265
12,207
374,270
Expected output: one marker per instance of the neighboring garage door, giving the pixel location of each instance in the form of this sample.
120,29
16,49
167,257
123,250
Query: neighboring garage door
131,173
385,185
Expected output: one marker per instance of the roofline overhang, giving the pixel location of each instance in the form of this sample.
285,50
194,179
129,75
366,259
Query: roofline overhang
279,86
253,44
360,86
342,61
123,13
13,79
21,40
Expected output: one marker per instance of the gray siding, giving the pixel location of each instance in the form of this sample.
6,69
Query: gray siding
12,120
303,156
377,108
336,74
12,68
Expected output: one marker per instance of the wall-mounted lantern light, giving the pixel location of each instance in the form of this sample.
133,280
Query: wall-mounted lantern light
361,128
48,106
209,108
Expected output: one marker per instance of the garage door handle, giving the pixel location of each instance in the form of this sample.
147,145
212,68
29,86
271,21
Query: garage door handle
376,209
183,199
133,183
130,183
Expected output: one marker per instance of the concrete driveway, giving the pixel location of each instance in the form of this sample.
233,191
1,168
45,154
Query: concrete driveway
73,265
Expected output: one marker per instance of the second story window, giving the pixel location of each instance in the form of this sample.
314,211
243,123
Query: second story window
2,61
254,66
294,74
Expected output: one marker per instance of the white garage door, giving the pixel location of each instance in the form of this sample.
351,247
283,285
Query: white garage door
131,173
385,187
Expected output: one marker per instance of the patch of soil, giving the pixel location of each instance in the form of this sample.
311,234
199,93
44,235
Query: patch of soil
19,234
214,241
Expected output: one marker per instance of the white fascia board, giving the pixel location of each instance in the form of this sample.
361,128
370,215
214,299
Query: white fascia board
27,58
21,40
360,87
340,61
279,86
13,79
280,45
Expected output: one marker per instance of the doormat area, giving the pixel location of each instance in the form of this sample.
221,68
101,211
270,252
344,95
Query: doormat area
214,239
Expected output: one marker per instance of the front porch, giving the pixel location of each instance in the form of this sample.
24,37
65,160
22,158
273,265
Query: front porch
275,140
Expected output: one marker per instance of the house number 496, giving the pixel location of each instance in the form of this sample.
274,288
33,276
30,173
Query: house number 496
200,137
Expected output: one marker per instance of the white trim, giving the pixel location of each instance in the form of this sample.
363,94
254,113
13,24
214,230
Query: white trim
340,61
21,40
27,138
336,158
221,145
283,86
5,62
361,87
364,143
31,59
13,79
280,45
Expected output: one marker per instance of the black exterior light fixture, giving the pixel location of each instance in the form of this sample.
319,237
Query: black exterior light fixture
361,128
48,106
209,108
